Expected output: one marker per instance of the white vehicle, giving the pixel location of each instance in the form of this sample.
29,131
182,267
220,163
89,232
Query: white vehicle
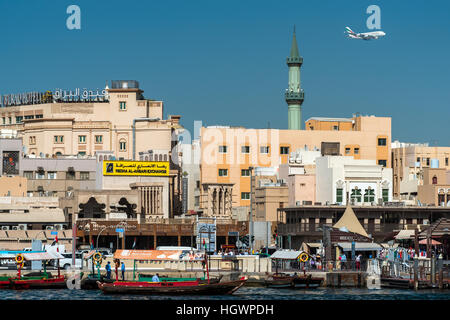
66,263
364,35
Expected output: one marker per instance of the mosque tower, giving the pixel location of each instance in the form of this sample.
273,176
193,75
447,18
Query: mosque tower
294,94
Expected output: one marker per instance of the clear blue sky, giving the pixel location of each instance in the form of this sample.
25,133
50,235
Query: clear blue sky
223,62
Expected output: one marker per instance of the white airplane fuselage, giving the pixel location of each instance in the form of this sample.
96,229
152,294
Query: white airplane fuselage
365,35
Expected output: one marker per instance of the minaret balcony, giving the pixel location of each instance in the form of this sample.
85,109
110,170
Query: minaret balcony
294,97
294,61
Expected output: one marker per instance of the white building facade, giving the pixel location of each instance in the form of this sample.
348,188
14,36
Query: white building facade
362,182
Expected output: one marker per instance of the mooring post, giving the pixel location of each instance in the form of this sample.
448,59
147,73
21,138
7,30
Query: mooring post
441,271
433,269
416,273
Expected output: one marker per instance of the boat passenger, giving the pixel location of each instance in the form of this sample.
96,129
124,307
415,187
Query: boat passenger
108,270
155,278
123,271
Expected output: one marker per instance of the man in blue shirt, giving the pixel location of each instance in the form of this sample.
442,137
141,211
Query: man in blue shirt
108,270
155,278
123,271
344,261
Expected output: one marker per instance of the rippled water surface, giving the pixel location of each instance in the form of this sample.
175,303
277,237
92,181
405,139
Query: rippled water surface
241,294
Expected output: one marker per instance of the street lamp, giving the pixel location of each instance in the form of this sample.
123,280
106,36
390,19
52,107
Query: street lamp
103,229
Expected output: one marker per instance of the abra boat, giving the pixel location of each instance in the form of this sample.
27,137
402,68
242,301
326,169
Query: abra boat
300,281
171,288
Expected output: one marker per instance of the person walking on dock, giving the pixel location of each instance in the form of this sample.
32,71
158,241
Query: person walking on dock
122,268
108,270
358,262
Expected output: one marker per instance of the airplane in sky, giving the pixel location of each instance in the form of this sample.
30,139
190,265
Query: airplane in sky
365,35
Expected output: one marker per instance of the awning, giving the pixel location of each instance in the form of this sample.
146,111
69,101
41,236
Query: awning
433,242
314,245
167,255
286,254
360,246
405,234
33,256
387,246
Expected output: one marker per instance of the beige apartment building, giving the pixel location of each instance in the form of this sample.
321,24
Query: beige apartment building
121,120
229,152
436,187
409,162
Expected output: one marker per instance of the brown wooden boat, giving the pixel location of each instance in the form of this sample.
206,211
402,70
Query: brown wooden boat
171,288
299,281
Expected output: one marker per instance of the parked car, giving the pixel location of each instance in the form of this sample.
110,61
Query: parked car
66,263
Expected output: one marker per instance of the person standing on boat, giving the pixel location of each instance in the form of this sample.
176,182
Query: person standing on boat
155,278
122,268
358,262
108,270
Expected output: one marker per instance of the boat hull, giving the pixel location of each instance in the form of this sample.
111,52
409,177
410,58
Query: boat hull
171,288
50,283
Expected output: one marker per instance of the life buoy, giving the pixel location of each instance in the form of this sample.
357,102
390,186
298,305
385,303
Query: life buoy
97,257
303,257
19,258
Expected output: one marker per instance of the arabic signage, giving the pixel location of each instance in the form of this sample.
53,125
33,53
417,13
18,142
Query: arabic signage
136,168
58,95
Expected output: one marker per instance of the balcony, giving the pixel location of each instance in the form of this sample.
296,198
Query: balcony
293,97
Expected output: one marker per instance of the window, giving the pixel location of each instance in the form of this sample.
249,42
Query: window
381,141
81,153
39,116
264,149
284,150
382,162
29,117
122,105
385,195
428,161
222,149
339,197
197,184
51,175
223,172
356,194
446,162
19,119
10,120
81,139
245,149
123,145
40,175
418,159
58,139
245,173
98,139
356,150
70,175
197,201
32,140
245,195
28,174
84,175
369,195
434,180
335,127
4,120
347,150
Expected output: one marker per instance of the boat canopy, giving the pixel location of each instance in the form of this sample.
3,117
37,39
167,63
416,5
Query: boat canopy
34,256
360,246
157,255
286,254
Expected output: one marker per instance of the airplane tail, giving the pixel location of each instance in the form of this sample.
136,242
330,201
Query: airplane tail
349,31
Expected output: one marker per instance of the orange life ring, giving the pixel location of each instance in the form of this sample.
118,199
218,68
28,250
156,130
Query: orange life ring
303,257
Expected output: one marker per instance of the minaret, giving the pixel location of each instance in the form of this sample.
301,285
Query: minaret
294,94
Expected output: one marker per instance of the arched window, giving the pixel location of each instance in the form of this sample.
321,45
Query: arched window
100,158
434,180
165,157
122,145
151,157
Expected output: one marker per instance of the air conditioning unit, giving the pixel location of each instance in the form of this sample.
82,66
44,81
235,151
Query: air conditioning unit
49,228
15,227
58,227
297,203
5,227
23,227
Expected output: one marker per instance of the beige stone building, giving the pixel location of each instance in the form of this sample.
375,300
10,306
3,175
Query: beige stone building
14,186
120,121
436,187
409,162
227,153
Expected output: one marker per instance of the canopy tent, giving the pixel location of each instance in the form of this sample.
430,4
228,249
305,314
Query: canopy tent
350,222
433,242
163,255
360,246
405,235
286,254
